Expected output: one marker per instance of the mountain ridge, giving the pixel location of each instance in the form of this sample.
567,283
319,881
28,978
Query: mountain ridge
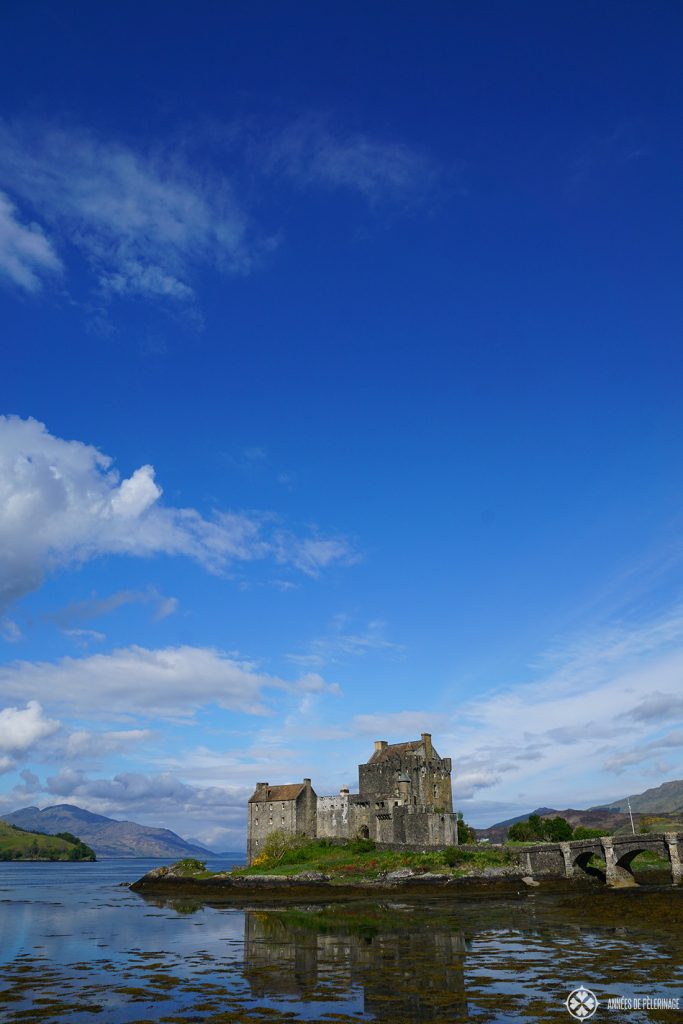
107,836
665,801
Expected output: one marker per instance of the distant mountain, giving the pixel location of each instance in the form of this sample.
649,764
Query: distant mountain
107,837
665,801
667,798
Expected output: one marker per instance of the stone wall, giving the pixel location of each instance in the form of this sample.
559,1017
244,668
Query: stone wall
333,817
296,815
429,785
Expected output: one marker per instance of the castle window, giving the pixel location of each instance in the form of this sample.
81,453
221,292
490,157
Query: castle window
283,819
283,805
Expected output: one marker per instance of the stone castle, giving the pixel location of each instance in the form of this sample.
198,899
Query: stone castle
404,799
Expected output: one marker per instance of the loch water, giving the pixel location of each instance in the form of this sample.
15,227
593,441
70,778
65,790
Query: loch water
77,946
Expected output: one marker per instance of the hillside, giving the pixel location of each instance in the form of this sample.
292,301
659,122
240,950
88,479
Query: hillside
667,798
665,801
15,844
107,837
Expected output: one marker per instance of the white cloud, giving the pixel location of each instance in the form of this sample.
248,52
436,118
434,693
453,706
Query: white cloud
168,683
98,744
215,814
26,255
61,503
23,728
143,221
564,738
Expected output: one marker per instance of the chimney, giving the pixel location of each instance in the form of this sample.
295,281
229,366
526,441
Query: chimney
427,740
380,745
307,782
260,786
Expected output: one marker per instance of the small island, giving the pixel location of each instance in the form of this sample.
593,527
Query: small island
16,844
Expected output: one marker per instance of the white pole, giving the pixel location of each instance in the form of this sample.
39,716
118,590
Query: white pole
630,812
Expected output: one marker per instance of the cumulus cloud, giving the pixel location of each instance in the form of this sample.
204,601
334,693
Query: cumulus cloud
26,255
143,221
62,503
21,729
165,683
215,814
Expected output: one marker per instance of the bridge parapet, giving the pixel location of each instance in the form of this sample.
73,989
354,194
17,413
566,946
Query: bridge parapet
573,859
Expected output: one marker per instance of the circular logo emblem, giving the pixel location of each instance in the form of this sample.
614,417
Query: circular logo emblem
581,1003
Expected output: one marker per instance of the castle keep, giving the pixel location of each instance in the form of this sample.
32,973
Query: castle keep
404,799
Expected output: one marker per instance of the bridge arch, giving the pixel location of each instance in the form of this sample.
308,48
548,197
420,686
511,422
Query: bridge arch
626,859
581,862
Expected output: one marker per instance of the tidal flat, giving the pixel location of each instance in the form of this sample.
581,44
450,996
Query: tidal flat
77,946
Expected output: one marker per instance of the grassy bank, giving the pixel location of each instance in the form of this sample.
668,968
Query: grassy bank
17,844
355,861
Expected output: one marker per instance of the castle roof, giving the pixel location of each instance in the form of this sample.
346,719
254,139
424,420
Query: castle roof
393,750
267,794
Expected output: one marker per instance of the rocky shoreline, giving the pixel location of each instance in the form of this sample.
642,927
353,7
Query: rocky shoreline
317,887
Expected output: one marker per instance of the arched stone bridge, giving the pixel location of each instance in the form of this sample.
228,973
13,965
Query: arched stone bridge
571,860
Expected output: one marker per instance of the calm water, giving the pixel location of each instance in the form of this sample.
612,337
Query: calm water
77,947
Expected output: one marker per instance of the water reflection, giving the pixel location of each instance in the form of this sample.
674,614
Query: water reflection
418,974
78,947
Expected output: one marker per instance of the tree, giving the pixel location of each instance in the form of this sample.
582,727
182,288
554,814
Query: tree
466,833
556,830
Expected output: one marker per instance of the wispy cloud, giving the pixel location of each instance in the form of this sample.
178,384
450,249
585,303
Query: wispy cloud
10,630
144,221
61,503
340,643
597,713
148,220
312,151
95,607
27,257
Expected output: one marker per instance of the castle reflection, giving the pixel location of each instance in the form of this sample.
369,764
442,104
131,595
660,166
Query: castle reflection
365,956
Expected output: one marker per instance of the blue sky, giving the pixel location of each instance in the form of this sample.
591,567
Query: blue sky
341,375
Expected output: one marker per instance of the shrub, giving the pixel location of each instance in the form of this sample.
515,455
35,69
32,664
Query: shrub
362,846
581,832
190,866
451,855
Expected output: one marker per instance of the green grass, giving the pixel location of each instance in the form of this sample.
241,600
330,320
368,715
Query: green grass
356,862
17,844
